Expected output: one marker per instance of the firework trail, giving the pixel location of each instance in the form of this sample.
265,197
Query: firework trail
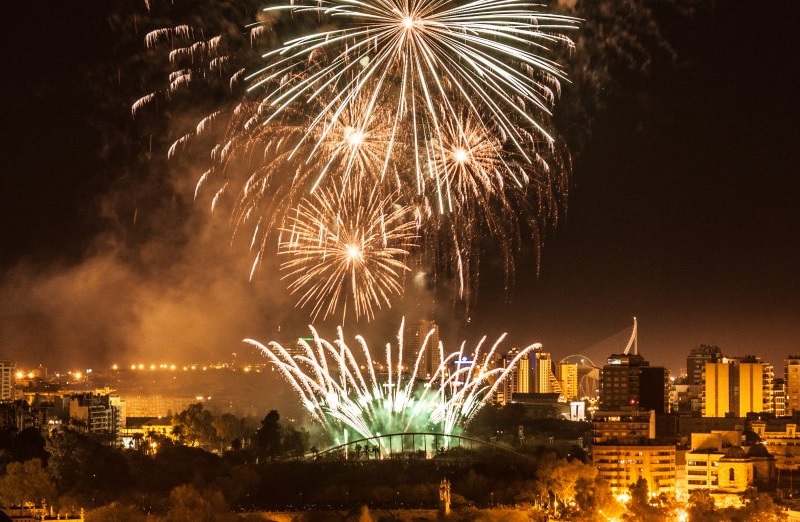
369,398
421,58
443,106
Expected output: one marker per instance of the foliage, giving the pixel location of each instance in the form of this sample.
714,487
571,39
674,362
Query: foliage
190,505
26,482
561,477
116,512
273,440
85,463
195,426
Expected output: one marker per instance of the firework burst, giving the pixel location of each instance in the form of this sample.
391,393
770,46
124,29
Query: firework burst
443,107
369,397
419,57
346,246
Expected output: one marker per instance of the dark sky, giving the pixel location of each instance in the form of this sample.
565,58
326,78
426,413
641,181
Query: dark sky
683,212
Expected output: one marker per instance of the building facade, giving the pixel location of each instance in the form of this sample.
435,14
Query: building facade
624,465
629,382
792,382
6,380
567,375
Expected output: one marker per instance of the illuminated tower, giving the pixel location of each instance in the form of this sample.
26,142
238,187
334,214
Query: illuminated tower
541,371
792,383
518,380
716,388
750,381
567,375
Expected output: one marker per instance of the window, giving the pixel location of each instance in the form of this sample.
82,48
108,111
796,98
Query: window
731,475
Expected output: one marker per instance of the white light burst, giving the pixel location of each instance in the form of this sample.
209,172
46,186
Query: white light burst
369,398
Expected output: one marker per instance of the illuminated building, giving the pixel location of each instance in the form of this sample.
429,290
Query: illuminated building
728,463
623,465
736,386
792,379
156,405
782,441
517,381
623,427
768,387
624,445
97,413
750,386
779,397
567,375
6,380
541,372
716,394
629,382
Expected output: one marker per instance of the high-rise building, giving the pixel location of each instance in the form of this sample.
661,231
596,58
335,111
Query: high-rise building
97,413
750,384
768,387
6,380
716,388
628,381
623,465
541,372
792,379
736,386
696,362
414,337
779,397
567,375
518,379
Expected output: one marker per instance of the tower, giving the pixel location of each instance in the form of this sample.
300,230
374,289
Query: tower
567,375
541,370
518,380
716,388
792,383
696,362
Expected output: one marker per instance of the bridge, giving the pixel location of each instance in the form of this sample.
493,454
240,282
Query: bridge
412,446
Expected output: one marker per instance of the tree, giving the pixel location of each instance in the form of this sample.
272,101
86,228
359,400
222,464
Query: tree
641,506
228,427
26,482
85,465
116,512
28,444
190,505
268,436
196,426
295,442
760,508
701,507
559,477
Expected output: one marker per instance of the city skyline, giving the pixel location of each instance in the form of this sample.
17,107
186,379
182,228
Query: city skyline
682,212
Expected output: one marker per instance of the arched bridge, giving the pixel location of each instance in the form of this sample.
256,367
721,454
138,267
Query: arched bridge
411,446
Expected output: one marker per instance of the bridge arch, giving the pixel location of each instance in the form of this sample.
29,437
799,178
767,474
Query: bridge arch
411,445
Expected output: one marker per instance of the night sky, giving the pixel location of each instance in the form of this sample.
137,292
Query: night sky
683,210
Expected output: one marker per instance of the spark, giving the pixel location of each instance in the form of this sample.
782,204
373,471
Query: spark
366,398
347,247
441,109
